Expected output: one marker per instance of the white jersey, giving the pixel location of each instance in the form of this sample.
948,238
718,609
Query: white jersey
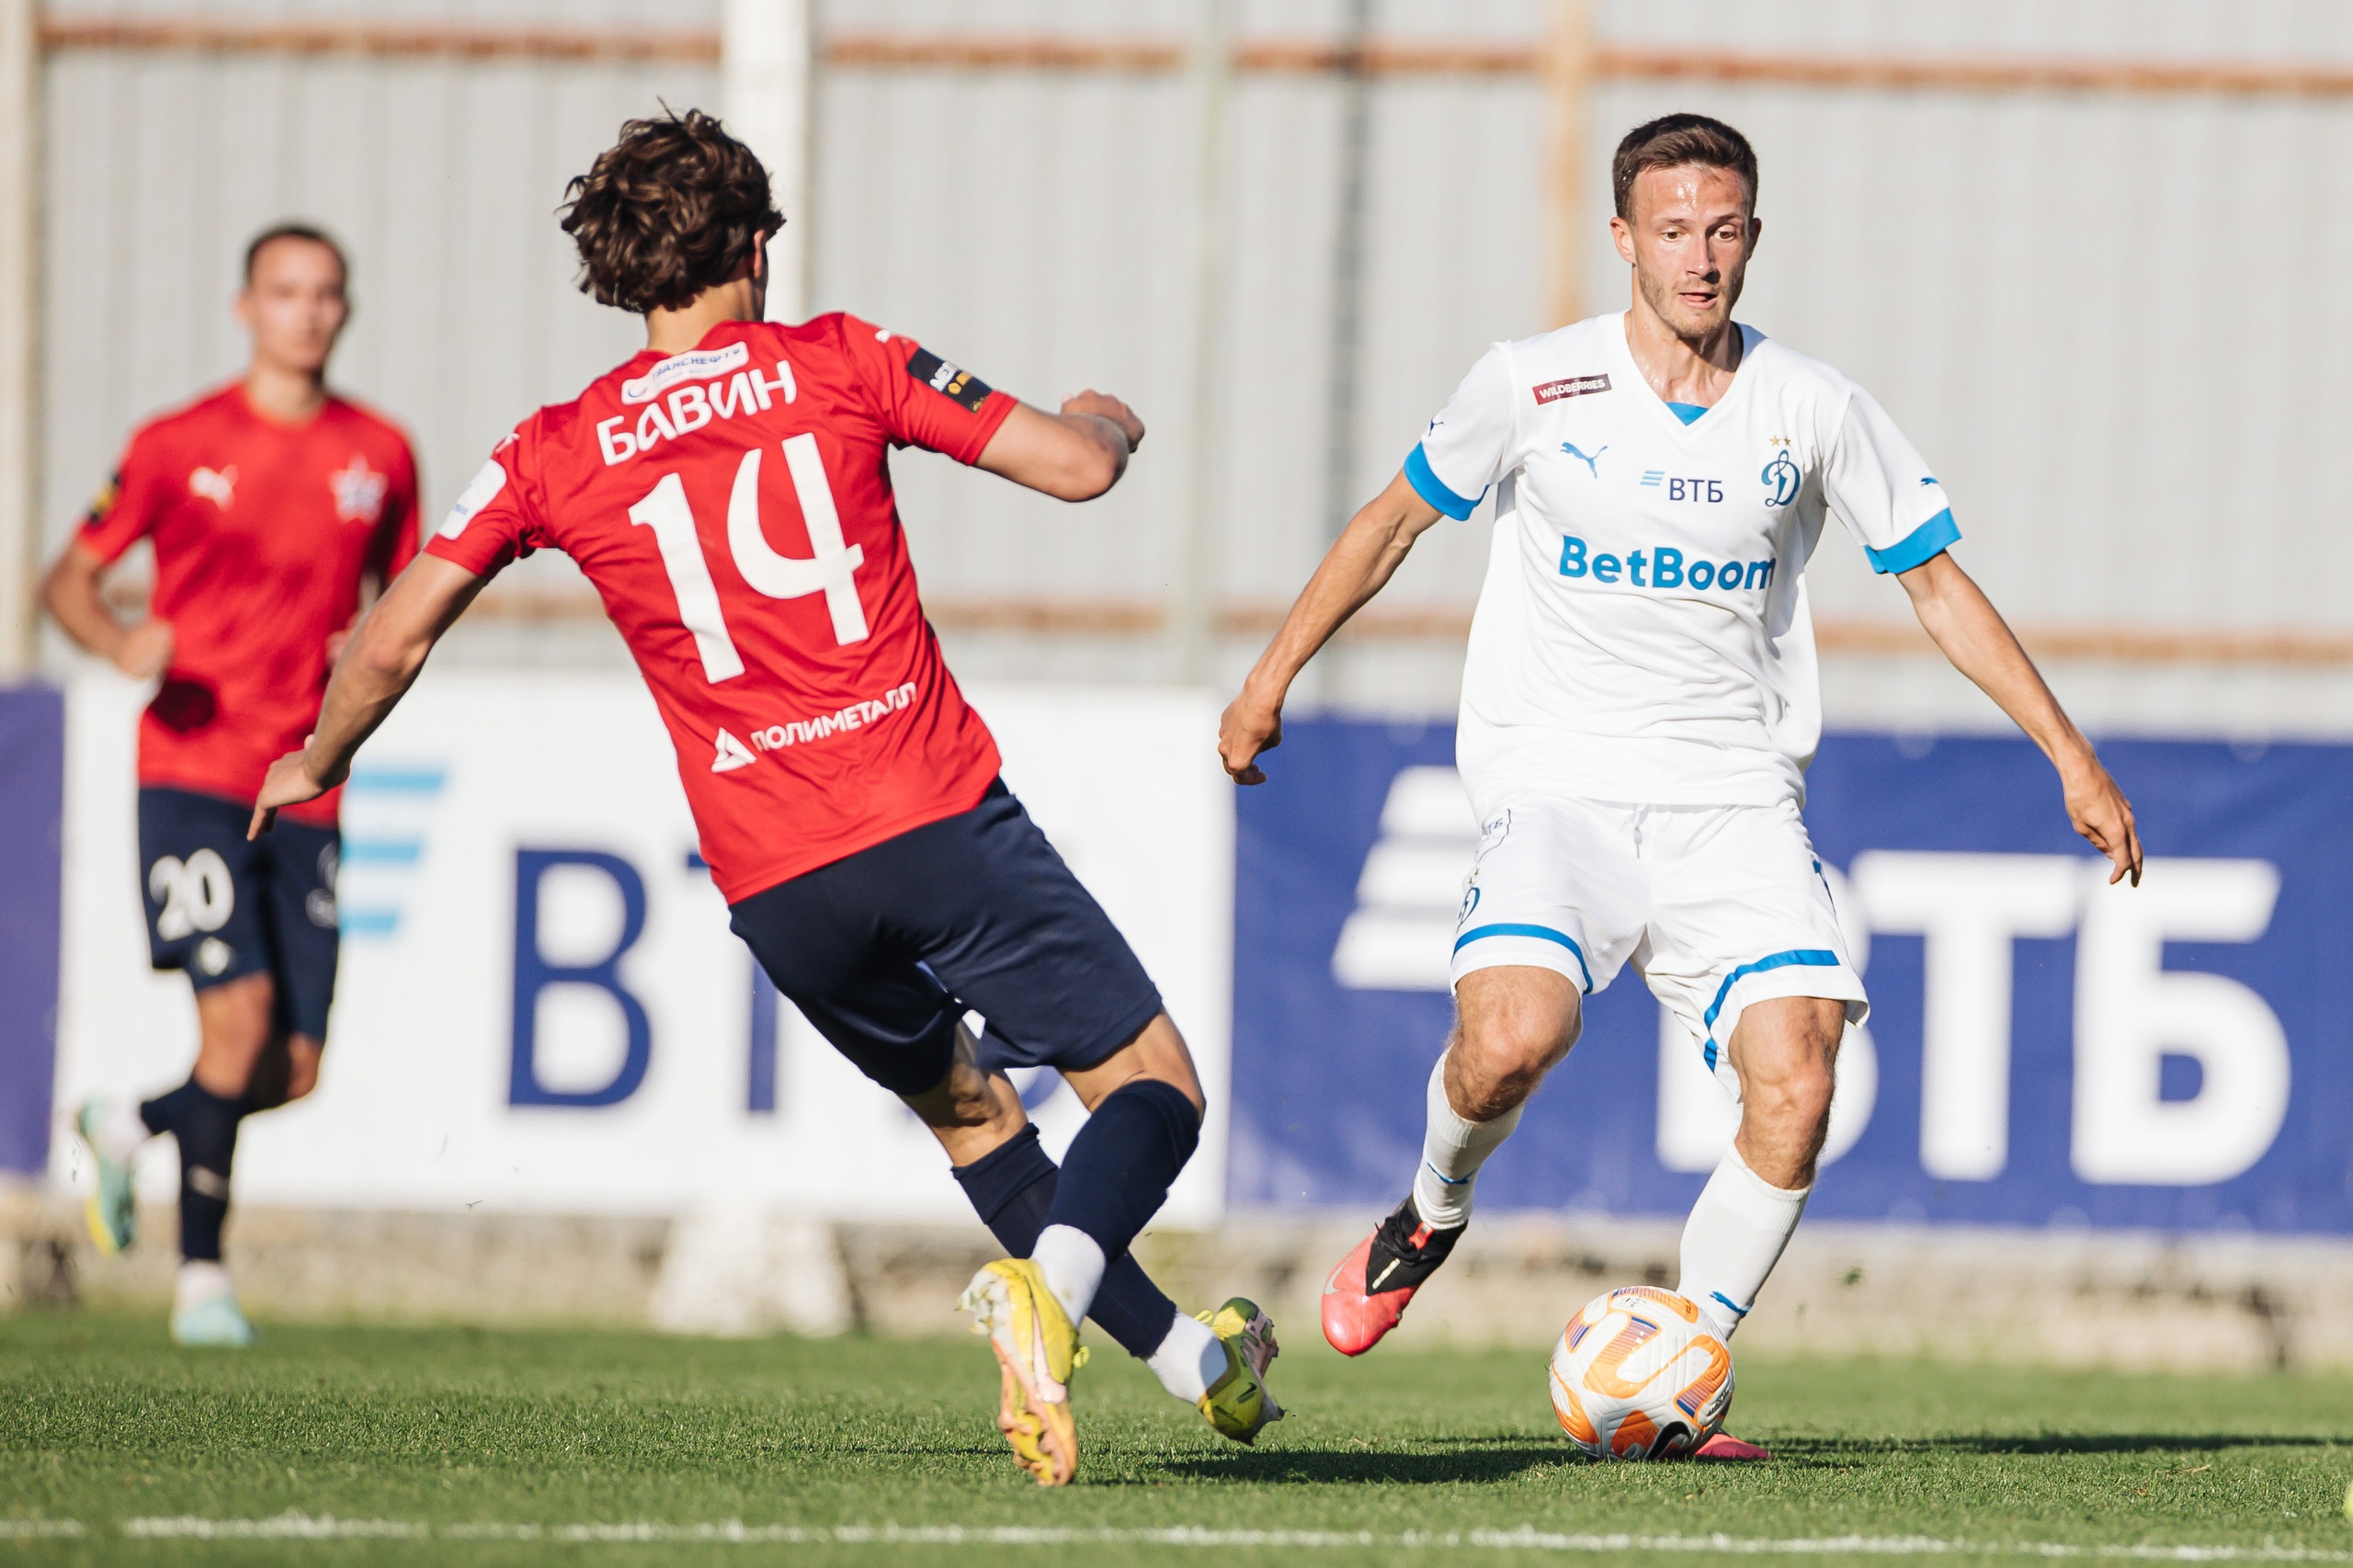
1641,635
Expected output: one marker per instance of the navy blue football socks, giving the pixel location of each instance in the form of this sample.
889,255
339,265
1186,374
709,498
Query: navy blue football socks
1120,1167
1012,1189
205,1125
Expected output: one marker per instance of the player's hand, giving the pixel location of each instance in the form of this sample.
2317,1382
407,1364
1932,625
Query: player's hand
1103,406
145,651
2102,813
289,783
1249,728
335,642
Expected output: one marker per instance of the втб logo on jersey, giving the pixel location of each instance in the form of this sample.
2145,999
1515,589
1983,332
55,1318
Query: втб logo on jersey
1680,488
1781,476
216,485
1590,462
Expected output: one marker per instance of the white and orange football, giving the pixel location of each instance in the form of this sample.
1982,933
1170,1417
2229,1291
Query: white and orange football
1636,1376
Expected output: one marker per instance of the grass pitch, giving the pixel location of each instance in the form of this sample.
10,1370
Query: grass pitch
356,1446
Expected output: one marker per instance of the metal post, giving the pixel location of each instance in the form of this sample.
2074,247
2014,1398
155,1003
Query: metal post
1193,588
1568,90
19,331
764,53
1348,277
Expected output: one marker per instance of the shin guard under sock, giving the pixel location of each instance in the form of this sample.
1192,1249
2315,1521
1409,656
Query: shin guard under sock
1120,1167
1012,1188
205,1126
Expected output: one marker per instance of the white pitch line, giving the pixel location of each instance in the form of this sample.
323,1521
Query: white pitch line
1527,1537
39,1529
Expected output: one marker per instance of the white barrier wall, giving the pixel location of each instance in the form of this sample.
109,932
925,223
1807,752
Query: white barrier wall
482,786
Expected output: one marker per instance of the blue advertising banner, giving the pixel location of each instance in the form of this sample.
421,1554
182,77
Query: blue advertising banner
2042,1049
32,824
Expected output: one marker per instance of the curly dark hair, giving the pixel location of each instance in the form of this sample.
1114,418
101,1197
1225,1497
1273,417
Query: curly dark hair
666,211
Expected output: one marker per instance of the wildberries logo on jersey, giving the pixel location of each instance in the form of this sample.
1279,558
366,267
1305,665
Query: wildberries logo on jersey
2043,1048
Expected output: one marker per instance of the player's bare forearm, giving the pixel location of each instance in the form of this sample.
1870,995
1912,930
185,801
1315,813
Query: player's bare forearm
378,665
71,594
1075,455
1971,633
1359,565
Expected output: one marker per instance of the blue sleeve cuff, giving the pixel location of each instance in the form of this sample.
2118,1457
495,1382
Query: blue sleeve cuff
1917,548
1425,484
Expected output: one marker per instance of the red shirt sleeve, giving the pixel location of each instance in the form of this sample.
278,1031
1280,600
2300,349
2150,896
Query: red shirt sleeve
495,519
921,399
395,543
126,510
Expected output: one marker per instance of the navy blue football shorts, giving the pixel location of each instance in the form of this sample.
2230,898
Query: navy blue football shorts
885,949
220,908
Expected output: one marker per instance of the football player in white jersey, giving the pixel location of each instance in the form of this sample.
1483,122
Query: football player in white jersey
1639,704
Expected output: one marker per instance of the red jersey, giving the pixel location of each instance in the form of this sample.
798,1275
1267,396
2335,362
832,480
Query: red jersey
262,533
733,505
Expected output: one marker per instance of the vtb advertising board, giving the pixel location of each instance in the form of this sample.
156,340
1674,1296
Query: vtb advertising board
2042,1049
541,1005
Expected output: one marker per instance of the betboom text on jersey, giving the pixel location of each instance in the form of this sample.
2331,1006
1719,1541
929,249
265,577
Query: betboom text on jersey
1666,567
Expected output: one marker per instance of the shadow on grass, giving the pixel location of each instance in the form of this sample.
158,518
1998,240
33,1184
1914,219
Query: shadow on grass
1847,1450
1464,1464
1474,1461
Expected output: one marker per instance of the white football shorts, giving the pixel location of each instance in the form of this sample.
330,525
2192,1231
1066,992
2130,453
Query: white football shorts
1715,906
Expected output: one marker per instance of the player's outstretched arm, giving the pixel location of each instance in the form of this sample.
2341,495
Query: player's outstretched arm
1359,565
70,592
1973,634
378,665
1075,455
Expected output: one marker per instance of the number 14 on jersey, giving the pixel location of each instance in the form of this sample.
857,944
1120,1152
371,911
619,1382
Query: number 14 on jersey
830,568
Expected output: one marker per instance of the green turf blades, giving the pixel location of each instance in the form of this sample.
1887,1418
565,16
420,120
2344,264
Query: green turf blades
101,1420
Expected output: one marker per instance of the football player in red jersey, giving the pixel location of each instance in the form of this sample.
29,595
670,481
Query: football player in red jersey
727,490
274,507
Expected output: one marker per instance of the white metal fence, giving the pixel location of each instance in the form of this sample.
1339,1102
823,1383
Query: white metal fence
2080,249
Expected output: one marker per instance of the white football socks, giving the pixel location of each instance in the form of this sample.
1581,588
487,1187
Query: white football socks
1453,1152
1734,1238
1188,1360
120,1130
1072,1264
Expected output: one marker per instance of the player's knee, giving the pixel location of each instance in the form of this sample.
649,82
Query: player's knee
1497,1065
1792,1094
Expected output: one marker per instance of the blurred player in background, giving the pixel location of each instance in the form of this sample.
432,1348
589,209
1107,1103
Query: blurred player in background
1638,704
276,508
728,492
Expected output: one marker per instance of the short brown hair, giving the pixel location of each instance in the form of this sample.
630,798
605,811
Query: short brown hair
307,233
667,211
1677,140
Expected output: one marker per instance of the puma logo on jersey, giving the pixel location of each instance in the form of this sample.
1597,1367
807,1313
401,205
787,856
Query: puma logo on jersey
216,485
1591,464
358,490
730,754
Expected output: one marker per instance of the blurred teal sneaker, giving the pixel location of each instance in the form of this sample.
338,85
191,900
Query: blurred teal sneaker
206,1311
112,1218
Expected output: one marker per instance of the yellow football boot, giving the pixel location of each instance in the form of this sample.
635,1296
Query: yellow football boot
1238,1404
1037,1350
